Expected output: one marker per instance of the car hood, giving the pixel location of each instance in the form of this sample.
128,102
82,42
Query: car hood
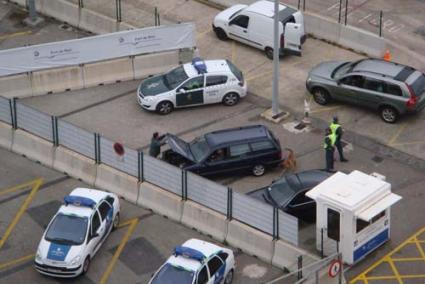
52,252
153,86
179,146
325,69
223,17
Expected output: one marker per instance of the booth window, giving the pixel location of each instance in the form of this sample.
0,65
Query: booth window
361,224
333,224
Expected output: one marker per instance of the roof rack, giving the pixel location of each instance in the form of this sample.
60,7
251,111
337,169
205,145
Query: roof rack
189,253
199,65
79,201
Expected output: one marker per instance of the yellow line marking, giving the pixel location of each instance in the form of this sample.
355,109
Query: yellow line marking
325,109
16,261
394,277
15,188
410,239
233,51
397,134
202,34
407,259
15,34
132,225
259,75
36,185
408,143
394,269
420,249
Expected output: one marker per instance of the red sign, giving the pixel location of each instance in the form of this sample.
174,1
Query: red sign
334,268
119,149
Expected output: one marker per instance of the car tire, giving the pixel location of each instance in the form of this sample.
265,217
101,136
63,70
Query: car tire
230,99
388,114
86,265
269,52
321,96
229,277
164,107
116,222
220,33
258,170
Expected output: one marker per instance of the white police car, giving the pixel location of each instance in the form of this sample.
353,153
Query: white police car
191,84
76,232
197,262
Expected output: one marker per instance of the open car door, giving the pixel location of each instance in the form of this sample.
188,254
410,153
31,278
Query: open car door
292,39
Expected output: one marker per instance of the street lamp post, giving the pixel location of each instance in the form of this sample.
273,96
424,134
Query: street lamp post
275,90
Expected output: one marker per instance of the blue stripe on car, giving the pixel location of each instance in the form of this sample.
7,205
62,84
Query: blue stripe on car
58,251
219,275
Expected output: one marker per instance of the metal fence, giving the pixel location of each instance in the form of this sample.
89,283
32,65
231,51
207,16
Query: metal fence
187,185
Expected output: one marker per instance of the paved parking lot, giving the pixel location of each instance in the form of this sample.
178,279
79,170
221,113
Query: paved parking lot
29,196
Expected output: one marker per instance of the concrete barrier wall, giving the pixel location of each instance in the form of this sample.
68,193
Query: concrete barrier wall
151,64
60,9
33,147
115,181
75,165
250,240
205,220
16,86
96,22
6,136
286,255
106,72
160,201
56,80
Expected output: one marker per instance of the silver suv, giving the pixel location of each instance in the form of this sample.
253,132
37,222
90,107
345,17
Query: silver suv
391,88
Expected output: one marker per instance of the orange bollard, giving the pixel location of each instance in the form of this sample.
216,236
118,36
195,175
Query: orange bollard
387,55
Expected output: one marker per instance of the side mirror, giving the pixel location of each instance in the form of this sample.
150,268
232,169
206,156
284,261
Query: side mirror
338,82
95,235
182,90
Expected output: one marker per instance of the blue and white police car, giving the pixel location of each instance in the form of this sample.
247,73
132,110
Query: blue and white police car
76,232
192,84
197,262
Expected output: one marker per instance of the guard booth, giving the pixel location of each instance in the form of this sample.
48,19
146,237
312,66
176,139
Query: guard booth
353,214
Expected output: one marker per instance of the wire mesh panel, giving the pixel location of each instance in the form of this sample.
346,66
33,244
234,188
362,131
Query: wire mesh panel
5,114
76,139
253,212
127,163
34,121
207,193
162,174
288,228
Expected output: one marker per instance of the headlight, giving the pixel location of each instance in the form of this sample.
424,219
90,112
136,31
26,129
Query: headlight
149,99
308,79
38,256
75,260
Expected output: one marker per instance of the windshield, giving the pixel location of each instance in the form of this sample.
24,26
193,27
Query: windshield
171,275
282,190
343,69
175,77
199,149
419,85
67,229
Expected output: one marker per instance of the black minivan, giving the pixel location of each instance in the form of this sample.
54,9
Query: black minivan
244,149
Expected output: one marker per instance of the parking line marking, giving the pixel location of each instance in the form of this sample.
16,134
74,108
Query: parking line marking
202,34
15,35
16,261
132,223
397,134
394,269
259,75
408,143
325,109
233,51
36,185
15,188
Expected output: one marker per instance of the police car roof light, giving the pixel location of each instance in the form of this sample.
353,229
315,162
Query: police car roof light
199,65
79,201
189,253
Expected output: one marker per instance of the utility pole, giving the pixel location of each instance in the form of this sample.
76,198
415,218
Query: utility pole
275,90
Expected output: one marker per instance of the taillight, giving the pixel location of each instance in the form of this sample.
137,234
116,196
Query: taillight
282,41
279,155
413,99
241,82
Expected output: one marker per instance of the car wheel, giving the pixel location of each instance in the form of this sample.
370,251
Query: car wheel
86,265
269,53
164,107
221,35
389,114
321,96
116,221
258,170
229,277
230,99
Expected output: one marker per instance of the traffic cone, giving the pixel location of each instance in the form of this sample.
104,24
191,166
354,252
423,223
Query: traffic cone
387,55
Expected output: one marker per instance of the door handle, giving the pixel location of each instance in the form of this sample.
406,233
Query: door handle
244,31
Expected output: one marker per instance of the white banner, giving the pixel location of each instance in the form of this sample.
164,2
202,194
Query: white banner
96,48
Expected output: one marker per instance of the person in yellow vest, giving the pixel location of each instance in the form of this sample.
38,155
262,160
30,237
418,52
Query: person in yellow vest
329,149
337,130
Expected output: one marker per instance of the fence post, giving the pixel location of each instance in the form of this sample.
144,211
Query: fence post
140,166
304,5
229,203
97,153
300,267
13,113
184,185
155,16
81,3
299,4
340,10
346,12
341,270
321,243
55,134
381,15
118,9
275,223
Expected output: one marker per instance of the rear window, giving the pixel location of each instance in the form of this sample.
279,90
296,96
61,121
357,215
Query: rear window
418,85
262,145
238,73
216,80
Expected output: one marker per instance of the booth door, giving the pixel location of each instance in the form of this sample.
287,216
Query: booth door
332,230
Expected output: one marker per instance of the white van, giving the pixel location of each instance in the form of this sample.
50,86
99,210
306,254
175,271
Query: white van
253,25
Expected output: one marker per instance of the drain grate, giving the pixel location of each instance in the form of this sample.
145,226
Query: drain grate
377,159
300,126
420,31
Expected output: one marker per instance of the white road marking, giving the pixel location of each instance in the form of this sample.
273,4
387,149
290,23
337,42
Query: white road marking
254,271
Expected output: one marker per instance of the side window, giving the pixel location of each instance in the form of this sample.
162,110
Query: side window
239,150
373,85
218,155
223,255
104,209
262,145
394,90
355,81
361,224
241,21
95,223
110,200
214,264
202,276
300,199
194,83
216,80
333,224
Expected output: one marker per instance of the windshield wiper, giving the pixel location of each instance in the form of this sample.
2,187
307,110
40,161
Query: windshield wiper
62,241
